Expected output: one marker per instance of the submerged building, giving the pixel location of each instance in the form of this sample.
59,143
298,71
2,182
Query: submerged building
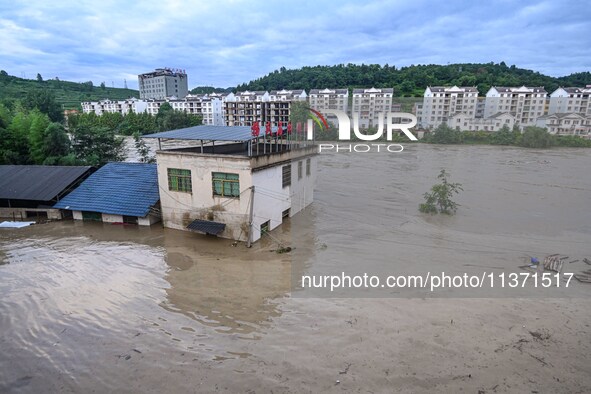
117,193
31,191
226,182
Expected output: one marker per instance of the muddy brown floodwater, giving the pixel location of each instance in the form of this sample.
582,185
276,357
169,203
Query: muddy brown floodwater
90,307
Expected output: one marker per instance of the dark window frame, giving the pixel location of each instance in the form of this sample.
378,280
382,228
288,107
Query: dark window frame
225,184
179,180
286,176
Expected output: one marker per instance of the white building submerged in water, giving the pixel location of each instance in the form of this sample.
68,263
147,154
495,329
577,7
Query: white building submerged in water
232,183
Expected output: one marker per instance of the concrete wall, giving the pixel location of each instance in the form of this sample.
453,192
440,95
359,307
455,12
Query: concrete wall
149,220
109,218
21,213
181,208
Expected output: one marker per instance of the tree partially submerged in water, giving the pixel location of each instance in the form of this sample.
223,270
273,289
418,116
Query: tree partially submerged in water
439,199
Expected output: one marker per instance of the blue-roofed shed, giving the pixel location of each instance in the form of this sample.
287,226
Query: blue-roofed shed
117,192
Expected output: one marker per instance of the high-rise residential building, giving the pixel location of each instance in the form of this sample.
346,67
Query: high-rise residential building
440,103
570,100
162,83
370,104
526,104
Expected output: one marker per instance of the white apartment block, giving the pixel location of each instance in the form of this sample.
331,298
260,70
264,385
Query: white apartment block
570,100
371,104
209,108
162,83
566,124
440,103
120,106
323,99
526,104
463,122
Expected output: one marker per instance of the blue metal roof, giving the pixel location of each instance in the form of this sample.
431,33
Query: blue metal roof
128,189
210,133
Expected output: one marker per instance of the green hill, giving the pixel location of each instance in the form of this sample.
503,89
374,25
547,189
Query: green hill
410,81
67,94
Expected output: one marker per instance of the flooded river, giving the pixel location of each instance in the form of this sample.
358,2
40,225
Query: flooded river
97,307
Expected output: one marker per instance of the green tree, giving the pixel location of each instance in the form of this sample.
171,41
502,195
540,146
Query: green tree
44,101
536,137
444,134
103,87
142,149
39,78
36,135
96,145
504,136
439,199
56,145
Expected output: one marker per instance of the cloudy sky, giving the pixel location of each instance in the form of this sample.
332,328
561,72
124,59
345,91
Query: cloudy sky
227,42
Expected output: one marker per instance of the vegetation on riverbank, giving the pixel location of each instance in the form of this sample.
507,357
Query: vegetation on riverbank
532,137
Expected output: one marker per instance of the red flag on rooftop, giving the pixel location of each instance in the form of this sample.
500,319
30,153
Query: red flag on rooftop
289,128
279,128
268,128
256,129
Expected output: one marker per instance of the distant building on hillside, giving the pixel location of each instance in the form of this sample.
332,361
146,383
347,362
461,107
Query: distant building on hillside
463,122
162,83
571,123
440,103
114,106
326,99
370,104
570,100
210,108
245,108
526,104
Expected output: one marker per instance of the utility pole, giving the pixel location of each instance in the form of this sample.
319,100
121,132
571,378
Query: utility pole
250,216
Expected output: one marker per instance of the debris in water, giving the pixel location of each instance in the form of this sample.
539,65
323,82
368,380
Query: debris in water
283,249
554,263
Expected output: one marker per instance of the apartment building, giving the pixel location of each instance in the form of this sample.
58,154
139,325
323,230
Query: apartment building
371,104
440,103
210,108
526,104
571,123
323,99
162,83
570,100
114,106
245,108
278,108
463,122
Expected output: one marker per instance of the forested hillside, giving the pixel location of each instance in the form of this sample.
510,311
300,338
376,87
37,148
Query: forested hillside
412,80
67,94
